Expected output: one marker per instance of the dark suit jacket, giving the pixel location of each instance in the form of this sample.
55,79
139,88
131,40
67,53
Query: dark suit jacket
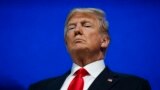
107,80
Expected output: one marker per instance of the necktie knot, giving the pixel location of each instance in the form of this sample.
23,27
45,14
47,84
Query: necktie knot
81,72
77,83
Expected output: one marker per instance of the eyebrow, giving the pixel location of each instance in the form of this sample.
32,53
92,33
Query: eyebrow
70,24
83,21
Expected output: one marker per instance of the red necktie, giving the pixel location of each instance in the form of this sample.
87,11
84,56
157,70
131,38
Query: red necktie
77,83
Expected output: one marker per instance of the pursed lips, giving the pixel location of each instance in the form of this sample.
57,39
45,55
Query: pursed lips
78,40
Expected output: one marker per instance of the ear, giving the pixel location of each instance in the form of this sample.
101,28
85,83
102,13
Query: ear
105,41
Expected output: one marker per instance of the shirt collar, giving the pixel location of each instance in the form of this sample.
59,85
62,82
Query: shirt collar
97,66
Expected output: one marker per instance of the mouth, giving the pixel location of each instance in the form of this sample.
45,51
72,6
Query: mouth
79,40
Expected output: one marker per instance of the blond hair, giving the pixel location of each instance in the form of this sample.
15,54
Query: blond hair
97,12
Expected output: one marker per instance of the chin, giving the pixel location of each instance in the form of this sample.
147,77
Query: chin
79,48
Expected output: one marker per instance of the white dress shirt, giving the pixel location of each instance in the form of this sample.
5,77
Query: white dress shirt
94,69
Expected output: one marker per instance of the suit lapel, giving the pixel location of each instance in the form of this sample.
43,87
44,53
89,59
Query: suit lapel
57,83
104,81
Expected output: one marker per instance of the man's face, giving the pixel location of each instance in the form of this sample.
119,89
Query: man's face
83,33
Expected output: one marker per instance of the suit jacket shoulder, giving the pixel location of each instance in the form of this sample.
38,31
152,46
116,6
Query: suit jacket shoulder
109,80
131,82
48,84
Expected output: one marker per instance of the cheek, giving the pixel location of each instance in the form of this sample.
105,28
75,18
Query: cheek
69,39
94,39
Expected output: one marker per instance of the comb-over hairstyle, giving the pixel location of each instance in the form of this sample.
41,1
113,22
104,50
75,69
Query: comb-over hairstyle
100,15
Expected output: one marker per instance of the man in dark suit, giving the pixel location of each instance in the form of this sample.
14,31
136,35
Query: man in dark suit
87,38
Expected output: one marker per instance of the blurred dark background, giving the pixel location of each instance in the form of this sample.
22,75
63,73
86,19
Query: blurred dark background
32,44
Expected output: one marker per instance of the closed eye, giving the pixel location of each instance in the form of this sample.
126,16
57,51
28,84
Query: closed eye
86,24
70,27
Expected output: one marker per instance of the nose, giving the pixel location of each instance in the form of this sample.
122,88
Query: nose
78,30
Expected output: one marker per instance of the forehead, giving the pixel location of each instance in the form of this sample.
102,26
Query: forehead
82,16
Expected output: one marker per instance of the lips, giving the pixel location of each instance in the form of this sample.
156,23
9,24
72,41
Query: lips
78,40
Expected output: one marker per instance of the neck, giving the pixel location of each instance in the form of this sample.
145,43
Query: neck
82,59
